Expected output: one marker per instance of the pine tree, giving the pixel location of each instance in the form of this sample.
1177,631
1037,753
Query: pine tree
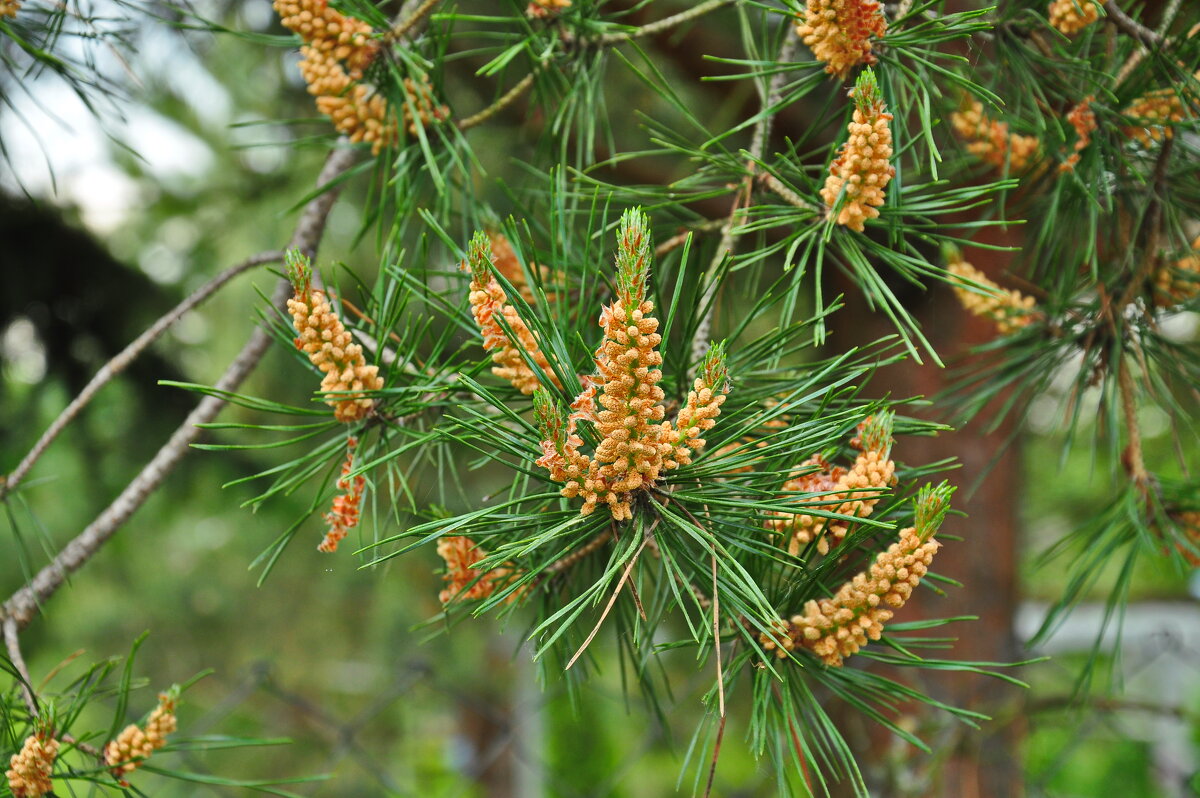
608,379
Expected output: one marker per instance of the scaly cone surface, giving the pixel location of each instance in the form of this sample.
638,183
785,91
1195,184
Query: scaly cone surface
837,627
489,303
863,167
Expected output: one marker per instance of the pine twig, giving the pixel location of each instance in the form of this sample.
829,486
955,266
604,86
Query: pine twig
758,144
1131,26
677,241
12,642
787,195
1133,458
506,100
122,360
563,563
410,20
667,23
24,604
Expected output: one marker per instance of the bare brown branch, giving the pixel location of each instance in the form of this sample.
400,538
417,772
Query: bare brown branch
122,360
24,604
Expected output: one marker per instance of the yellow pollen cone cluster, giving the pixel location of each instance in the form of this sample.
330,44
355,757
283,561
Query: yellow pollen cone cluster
464,581
343,515
1176,285
330,347
1072,16
853,492
29,769
1083,119
636,443
862,170
1153,114
837,627
839,32
9,8
991,142
539,9
135,744
1010,310
702,407
489,304
337,51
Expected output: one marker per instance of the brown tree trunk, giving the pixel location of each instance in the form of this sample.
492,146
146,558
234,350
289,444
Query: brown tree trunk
965,763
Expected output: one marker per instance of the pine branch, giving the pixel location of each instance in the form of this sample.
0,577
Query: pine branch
123,359
12,642
758,143
506,100
410,19
664,24
24,604
1131,26
1133,458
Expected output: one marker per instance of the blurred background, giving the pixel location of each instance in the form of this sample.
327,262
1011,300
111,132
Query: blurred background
107,221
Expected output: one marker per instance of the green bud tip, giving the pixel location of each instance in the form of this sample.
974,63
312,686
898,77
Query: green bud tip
550,417
299,271
877,432
866,90
479,257
932,504
951,253
715,370
633,257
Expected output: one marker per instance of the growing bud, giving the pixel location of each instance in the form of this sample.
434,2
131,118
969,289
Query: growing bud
991,142
540,9
1083,119
465,582
837,627
343,515
853,492
1178,283
702,407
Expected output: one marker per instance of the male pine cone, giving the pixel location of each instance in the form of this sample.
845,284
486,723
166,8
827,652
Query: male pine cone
863,169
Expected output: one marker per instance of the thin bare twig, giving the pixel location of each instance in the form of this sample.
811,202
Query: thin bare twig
1131,26
678,240
1133,458
569,560
787,195
24,604
12,642
758,144
716,608
506,100
664,24
410,20
608,607
122,360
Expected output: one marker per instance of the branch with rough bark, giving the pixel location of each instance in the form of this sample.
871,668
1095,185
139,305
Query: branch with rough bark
25,603
758,145
122,361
